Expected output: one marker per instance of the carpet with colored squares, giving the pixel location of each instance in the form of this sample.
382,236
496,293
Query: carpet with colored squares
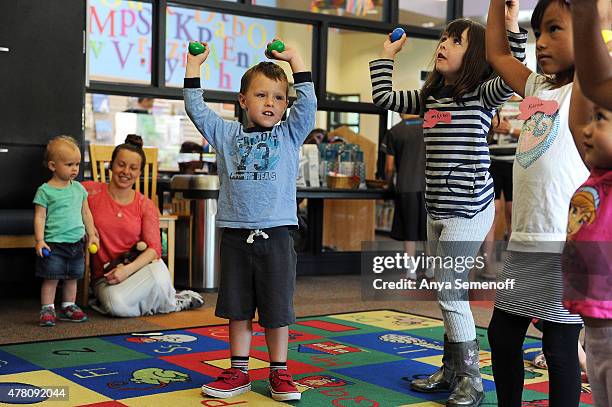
355,359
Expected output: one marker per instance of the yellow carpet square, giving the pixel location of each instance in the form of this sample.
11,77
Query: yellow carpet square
194,397
226,363
77,394
390,320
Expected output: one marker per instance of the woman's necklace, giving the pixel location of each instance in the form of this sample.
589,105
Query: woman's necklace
117,206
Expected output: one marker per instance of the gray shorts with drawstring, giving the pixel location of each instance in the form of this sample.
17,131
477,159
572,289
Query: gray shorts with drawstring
257,273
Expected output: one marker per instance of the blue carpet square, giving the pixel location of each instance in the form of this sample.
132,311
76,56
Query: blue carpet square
12,364
167,343
398,343
137,378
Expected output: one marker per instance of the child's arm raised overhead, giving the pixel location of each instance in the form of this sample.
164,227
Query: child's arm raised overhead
381,73
303,111
499,55
580,112
292,56
495,92
208,123
593,62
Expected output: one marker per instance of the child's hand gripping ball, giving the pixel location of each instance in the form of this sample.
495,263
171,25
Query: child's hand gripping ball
196,48
397,34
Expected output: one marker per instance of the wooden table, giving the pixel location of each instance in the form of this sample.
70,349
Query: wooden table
316,261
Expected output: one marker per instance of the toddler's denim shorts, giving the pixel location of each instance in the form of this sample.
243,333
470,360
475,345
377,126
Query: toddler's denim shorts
66,261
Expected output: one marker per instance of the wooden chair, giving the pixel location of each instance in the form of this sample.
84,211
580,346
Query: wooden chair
100,157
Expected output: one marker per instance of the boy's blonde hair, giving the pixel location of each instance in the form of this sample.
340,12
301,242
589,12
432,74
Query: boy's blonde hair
269,69
54,145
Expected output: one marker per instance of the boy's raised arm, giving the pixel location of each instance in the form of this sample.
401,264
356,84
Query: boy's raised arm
292,56
194,62
208,123
593,62
301,120
499,55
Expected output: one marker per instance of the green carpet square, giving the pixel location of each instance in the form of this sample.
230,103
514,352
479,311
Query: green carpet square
75,352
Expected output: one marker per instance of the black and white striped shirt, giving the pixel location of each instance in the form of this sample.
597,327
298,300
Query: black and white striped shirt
457,155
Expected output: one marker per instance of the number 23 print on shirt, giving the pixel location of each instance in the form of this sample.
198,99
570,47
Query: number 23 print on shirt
255,157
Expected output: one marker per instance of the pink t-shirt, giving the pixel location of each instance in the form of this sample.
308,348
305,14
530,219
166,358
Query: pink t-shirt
587,258
120,226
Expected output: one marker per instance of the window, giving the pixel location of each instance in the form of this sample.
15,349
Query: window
478,10
236,42
338,119
370,10
119,41
424,13
349,53
165,125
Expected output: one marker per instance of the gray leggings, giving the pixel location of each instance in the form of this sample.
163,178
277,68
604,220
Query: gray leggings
457,237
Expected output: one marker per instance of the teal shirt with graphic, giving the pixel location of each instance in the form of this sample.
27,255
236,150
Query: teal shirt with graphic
64,222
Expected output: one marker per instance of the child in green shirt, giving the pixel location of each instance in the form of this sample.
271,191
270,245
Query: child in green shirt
61,217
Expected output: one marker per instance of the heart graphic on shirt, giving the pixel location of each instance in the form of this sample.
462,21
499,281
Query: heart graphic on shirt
537,135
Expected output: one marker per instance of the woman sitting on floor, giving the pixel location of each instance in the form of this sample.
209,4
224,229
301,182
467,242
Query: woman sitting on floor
123,217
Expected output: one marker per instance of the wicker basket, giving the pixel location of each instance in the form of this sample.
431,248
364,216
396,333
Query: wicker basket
339,182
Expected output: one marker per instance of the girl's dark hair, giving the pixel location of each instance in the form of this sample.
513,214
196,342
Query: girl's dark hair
470,74
312,136
491,132
560,78
132,143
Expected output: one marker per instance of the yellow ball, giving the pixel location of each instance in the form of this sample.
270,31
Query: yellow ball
93,249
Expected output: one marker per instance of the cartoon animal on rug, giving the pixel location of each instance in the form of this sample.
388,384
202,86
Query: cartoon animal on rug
154,376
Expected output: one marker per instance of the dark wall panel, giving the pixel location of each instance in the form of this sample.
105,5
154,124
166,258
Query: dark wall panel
21,172
42,76
42,89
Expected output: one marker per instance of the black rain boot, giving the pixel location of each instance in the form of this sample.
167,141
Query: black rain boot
468,390
442,380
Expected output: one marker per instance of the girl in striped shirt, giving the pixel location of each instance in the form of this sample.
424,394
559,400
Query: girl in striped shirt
458,101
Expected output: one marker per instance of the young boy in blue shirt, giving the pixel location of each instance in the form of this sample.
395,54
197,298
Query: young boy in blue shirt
257,166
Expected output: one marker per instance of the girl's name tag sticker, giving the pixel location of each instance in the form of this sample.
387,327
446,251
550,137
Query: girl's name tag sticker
531,105
433,117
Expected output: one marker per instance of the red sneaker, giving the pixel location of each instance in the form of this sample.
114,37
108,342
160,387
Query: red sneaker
282,387
231,382
47,317
72,313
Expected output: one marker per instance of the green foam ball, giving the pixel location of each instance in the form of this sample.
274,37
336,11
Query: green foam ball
276,45
195,48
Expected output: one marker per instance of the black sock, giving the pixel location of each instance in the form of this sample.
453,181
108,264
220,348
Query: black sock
241,362
278,366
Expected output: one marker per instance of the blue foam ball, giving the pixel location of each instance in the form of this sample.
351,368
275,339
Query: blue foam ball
45,252
397,34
